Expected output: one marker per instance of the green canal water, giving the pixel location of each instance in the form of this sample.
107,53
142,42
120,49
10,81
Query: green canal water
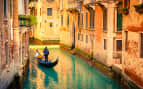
70,73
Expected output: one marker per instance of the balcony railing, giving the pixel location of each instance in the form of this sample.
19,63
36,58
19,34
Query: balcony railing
86,2
33,3
33,0
117,54
73,5
27,20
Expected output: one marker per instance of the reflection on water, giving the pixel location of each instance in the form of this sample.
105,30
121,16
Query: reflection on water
70,73
50,74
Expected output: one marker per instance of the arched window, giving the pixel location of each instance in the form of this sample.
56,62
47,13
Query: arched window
126,3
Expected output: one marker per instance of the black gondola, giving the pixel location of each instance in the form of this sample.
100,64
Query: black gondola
47,64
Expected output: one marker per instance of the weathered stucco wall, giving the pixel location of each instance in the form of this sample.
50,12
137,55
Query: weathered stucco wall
133,63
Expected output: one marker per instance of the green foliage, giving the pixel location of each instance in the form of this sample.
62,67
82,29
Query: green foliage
16,76
80,51
27,20
137,7
91,56
125,9
33,20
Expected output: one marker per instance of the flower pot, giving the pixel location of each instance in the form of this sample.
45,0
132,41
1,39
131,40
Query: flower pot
126,12
140,10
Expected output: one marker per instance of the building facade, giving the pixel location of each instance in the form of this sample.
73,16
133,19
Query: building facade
47,13
132,41
65,31
108,36
95,27
10,32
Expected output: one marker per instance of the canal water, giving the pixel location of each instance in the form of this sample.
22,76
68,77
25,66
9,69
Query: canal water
70,73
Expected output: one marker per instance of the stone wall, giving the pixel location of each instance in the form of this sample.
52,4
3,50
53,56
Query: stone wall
132,62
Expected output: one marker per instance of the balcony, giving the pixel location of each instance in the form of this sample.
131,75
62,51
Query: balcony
87,2
117,56
33,3
74,5
27,20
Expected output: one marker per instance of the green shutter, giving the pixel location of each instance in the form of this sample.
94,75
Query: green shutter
119,22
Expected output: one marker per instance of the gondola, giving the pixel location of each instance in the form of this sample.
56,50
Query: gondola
47,64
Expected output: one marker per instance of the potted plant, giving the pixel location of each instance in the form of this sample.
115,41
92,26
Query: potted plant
139,8
125,11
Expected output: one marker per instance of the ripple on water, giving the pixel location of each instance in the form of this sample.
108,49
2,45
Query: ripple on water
70,73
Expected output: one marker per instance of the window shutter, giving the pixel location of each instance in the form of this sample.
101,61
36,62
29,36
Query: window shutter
119,22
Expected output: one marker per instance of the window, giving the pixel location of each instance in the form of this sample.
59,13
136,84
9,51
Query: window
105,44
51,24
5,8
78,36
78,20
126,3
40,11
92,15
61,20
81,22
119,45
86,19
141,46
81,37
11,8
68,20
86,38
119,21
49,11
104,19
126,40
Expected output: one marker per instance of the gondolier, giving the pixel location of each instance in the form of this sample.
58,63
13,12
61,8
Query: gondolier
46,53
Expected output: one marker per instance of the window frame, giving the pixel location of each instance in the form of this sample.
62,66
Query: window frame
105,44
68,20
105,23
126,4
62,20
81,20
119,24
86,40
81,37
86,22
49,11
5,9
117,44
92,19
